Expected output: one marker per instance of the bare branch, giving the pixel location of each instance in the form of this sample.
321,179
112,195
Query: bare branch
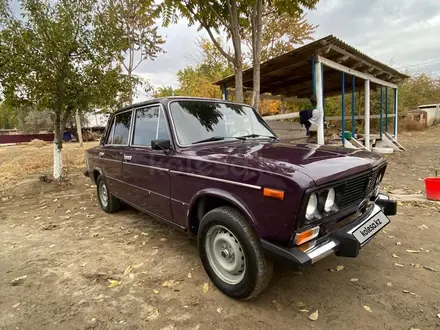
123,64
219,47
221,19
140,61
211,36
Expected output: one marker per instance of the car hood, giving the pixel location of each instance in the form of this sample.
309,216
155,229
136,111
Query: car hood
321,163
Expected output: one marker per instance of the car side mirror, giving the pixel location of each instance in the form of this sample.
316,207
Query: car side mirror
161,145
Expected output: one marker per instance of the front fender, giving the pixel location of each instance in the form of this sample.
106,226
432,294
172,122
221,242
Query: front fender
225,195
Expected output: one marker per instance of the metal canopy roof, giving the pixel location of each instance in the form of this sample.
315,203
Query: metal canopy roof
290,74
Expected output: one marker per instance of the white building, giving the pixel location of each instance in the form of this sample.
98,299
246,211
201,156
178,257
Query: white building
432,113
95,119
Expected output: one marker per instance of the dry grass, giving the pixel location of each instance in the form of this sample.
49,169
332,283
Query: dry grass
411,125
20,161
37,143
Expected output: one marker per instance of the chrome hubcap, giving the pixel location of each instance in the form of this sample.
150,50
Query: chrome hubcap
225,255
103,194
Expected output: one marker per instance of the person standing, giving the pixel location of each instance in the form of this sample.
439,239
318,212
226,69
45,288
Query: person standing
310,118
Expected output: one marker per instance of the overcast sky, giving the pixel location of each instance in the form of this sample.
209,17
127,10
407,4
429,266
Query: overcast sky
398,32
401,33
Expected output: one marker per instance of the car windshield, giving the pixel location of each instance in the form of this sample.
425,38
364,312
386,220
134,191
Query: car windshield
202,121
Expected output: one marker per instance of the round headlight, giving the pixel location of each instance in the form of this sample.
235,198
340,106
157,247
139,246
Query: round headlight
312,206
330,201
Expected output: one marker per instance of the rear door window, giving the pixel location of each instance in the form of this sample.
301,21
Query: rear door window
120,129
150,124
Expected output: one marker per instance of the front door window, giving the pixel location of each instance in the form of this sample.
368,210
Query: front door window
150,124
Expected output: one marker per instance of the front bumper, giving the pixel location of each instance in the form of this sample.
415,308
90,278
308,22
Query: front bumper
341,241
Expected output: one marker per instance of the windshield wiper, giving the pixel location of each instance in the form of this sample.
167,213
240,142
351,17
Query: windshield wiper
257,135
212,138
219,138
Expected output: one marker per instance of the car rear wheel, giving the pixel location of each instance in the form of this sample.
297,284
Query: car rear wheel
232,255
108,202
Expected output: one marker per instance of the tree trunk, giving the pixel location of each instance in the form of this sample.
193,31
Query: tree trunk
238,61
57,148
79,128
257,22
130,72
238,71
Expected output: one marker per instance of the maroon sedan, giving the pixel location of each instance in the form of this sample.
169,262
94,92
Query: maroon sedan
215,169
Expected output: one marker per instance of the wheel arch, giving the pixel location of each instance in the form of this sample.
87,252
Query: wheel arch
95,173
211,198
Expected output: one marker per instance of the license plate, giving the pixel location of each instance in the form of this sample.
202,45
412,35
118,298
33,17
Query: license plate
371,227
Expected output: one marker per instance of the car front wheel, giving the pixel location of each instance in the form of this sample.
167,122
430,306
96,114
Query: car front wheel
232,255
108,202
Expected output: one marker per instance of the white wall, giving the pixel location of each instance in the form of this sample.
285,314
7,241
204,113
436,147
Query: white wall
432,113
96,119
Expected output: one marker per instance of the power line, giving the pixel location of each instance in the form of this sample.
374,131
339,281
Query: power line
420,64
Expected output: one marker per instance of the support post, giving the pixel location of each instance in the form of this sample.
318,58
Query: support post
380,112
323,98
386,109
395,113
313,76
353,90
343,108
79,128
319,100
367,114
224,92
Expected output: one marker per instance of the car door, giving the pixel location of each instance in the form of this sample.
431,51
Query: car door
110,154
147,170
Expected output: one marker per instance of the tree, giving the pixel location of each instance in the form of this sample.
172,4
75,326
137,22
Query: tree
131,24
420,88
59,59
208,66
232,17
214,16
164,91
36,121
8,117
281,32
276,9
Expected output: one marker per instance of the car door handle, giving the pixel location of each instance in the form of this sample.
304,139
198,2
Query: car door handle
127,158
101,154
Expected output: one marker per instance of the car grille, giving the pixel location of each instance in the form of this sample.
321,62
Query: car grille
356,189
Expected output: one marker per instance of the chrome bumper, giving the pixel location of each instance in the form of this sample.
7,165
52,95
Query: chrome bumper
341,241
322,250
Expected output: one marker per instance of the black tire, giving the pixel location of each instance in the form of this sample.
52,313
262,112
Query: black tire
113,204
258,270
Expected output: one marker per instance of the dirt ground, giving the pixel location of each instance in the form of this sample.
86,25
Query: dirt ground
58,251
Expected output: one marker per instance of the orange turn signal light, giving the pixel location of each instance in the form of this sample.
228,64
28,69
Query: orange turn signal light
274,193
306,235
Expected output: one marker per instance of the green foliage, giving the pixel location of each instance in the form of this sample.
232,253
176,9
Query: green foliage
36,121
417,90
8,117
164,91
59,58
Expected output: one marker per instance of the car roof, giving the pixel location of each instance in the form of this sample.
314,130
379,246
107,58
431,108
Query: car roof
165,100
